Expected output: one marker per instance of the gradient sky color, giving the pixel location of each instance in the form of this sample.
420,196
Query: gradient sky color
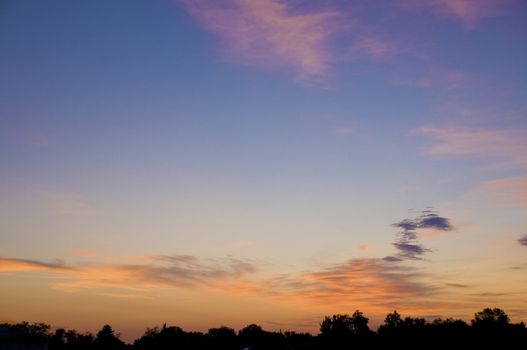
229,162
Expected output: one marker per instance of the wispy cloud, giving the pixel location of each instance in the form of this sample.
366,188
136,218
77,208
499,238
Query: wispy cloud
501,149
156,272
269,33
378,284
371,283
364,248
124,296
9,265
371,46
523,240
507,145
506,192
470,12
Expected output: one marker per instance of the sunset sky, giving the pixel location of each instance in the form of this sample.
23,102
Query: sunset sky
226,162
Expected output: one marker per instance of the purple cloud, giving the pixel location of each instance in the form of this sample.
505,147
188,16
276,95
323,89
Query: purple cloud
407,245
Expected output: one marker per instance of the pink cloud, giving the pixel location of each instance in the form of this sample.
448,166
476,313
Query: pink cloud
364,248
509,191
470,12
372,47
507,145
268,33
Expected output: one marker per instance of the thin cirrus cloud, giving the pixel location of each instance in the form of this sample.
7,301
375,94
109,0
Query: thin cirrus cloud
507,145
375,283
303,37
371,47
505,149
155,272
359,281
371,283
12,265
470,12
507,192
269,33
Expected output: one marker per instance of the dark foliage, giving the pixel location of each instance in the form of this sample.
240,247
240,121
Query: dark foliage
490,329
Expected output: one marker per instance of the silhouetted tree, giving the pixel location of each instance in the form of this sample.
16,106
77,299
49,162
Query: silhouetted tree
107,339
222,338
58,339
164,338
490,329
337,326
79,341
392,323
490,318
254,337
300,341
360,323
24,335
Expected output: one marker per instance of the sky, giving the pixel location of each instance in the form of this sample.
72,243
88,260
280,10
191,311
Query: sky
227,162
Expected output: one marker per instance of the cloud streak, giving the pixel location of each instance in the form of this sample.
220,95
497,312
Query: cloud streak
523,240
377,284
156,272
9,265
370,283
269,33
470,12
507,145
506,192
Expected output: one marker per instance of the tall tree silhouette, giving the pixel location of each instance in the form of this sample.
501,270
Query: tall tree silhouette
107,339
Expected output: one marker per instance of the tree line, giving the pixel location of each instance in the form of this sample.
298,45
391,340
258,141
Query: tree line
490,328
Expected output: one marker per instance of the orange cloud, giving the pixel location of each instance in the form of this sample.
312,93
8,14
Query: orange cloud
124,296
15,265
357,281
371,283
155,273
364,248
268,33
